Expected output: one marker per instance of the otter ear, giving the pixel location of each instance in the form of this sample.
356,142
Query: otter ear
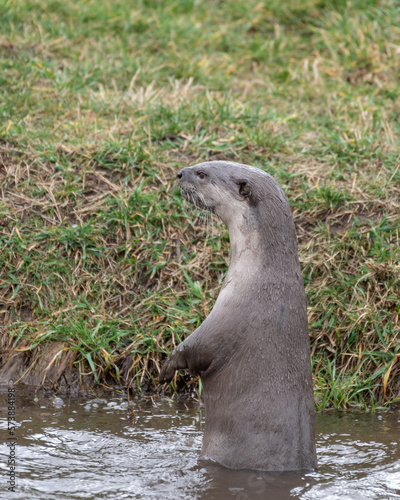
244,187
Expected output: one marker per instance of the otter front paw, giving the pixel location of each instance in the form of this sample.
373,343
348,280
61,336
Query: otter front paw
168,370
175,361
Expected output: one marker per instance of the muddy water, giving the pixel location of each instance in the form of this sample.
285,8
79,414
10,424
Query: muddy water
90,449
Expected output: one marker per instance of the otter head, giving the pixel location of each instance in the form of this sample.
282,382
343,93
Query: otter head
252,205
224,188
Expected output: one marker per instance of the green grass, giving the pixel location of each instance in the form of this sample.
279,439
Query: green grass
101,105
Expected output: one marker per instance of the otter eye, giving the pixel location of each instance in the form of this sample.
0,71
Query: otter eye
201,175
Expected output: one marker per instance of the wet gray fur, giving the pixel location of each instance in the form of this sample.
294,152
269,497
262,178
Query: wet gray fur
252,351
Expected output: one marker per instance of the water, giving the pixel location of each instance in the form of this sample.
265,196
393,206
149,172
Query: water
90,449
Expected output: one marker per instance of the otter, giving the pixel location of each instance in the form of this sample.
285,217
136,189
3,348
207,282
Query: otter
252,352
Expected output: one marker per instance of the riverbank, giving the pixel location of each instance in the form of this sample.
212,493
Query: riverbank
103,269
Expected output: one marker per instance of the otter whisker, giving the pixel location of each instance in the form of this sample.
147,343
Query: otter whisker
193,197
205,214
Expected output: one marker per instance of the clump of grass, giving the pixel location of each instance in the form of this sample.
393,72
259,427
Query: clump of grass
103,104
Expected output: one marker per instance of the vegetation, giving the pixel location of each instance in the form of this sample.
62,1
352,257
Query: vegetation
102,103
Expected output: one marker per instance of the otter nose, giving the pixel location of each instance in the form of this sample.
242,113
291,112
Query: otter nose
182,173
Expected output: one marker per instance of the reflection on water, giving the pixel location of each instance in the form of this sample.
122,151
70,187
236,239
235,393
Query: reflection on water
96,448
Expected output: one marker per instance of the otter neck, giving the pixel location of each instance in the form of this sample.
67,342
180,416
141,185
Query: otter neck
244,247
257,249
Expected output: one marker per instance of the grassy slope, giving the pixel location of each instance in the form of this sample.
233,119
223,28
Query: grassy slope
102,103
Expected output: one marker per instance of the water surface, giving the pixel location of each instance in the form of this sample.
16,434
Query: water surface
98,448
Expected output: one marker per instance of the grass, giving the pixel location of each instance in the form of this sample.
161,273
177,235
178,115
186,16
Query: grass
102,104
